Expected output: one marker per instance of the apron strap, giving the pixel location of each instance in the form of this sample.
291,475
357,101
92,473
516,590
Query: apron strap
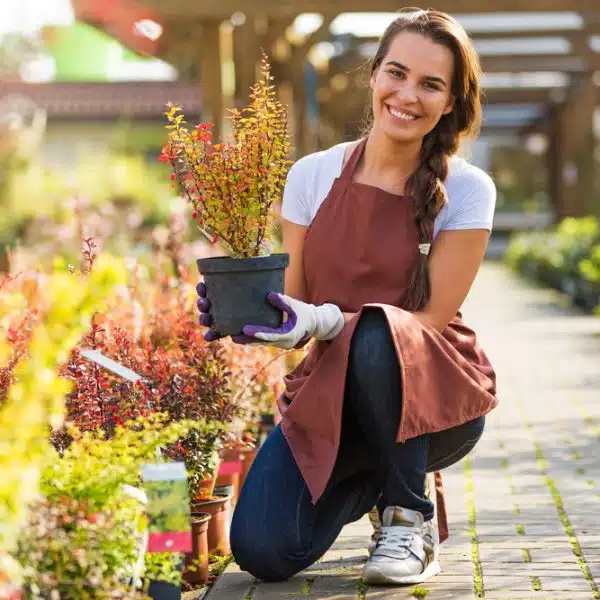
349,168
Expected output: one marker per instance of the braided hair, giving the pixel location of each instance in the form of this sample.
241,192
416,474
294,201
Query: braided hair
425,185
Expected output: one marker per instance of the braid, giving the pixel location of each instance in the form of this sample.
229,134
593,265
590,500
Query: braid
425,185
426,188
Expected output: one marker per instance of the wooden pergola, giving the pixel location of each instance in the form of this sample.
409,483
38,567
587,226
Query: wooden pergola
219,43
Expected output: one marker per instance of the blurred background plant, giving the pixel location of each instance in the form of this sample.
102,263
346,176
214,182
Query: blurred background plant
565,257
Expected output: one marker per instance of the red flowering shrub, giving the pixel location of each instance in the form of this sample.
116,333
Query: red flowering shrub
16,322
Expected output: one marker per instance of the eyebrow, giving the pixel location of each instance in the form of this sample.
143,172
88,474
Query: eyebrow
405,68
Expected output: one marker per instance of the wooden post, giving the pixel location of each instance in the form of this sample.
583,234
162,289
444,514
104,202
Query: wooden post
211,77
571,151
247,55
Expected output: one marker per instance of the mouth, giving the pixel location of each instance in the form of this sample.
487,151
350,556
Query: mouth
401,115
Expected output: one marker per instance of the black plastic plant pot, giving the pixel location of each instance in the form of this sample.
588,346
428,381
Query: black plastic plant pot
161,590
237,289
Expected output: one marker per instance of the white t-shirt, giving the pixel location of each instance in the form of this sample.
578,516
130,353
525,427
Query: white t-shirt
471,192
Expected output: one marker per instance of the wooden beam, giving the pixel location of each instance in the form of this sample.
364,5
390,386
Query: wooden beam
517,96
572,35
592,29
513,63
186,9
531,63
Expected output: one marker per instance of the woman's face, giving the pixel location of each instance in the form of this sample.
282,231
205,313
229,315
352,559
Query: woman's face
412,87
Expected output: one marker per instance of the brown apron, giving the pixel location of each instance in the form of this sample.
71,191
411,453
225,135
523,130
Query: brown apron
357,252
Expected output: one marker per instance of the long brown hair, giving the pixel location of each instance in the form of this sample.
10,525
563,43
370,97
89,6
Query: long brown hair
425,185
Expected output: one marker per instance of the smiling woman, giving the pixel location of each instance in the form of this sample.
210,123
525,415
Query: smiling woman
385,236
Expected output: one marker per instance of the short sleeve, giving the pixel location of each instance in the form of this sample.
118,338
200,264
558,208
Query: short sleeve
474,208
295,206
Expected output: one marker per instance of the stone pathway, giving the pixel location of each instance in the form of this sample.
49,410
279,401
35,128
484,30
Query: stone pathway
524,506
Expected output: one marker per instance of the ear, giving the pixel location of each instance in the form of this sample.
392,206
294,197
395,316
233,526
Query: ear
450,106
373,78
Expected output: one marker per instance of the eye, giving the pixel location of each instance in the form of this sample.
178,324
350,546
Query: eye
396,73
431,86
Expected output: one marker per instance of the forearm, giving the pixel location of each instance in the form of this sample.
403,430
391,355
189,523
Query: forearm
429,320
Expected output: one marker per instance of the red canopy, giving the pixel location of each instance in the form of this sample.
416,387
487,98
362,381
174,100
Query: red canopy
136,26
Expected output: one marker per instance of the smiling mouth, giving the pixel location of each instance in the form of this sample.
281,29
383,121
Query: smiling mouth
401,115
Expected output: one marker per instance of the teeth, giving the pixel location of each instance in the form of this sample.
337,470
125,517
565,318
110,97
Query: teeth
400,115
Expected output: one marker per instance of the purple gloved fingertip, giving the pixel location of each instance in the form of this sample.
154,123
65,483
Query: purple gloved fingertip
206,320
211,336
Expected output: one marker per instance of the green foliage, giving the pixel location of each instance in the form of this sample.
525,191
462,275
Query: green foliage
163,566
35,399
565,257
71,549
85,536
95,469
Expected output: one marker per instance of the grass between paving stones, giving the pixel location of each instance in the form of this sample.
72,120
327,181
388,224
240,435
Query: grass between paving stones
307,587
557,498
469,489
589,421
361,588
535,581
250,593
558,502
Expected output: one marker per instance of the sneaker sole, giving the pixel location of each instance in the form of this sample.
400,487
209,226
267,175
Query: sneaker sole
374,576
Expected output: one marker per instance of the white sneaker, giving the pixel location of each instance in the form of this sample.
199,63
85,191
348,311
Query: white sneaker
376,523
407,550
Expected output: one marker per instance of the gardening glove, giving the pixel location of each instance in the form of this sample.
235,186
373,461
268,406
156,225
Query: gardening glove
206,319
304,321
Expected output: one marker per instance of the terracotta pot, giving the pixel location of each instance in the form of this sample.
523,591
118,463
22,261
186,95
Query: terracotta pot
218,527
230,470
196,563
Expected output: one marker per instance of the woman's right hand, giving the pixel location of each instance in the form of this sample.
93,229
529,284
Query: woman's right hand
206,319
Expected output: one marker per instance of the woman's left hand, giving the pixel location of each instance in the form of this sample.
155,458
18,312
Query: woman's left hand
304,321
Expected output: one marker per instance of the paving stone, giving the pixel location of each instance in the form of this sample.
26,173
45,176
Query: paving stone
435,593
542,595
293,589
232,585
527,334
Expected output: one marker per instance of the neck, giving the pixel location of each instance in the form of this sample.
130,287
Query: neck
384,155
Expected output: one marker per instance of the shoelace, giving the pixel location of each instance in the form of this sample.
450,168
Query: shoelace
396,539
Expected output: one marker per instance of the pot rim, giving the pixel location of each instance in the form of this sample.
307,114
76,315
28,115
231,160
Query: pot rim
229,264
214,500
200,517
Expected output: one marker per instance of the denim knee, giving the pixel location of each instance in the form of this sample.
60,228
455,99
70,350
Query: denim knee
260,552
372,350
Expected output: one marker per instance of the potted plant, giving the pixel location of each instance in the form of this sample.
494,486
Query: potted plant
233,188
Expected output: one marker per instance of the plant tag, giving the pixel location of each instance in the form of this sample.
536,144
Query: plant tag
110,364
168,507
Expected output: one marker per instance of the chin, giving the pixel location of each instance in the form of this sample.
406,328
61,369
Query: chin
404,136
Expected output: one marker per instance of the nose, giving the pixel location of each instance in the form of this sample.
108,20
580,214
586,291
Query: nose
407,92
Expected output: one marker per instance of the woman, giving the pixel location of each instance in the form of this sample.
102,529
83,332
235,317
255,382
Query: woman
385,237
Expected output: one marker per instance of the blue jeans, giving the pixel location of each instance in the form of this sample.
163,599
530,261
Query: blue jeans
277,531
